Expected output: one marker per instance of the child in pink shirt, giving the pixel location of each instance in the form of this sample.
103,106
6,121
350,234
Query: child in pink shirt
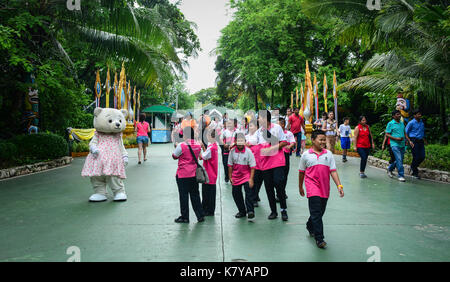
186,181
210,157
241,166
316,166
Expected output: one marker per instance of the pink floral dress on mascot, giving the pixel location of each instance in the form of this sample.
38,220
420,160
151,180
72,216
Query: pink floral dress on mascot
109,162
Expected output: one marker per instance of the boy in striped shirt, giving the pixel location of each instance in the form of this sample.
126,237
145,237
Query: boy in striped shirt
316,166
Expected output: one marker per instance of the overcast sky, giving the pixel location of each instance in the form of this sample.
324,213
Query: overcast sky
210,16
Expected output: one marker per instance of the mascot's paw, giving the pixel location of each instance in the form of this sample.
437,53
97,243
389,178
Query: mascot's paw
94,152
120,197
97,198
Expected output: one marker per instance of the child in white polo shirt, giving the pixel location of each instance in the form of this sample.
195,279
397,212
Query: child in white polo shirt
316,166
241,166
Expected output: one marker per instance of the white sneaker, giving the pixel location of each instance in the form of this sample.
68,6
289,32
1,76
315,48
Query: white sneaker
97,198
390,174
402,179
120,197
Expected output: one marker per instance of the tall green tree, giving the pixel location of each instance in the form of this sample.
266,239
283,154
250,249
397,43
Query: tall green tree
411,40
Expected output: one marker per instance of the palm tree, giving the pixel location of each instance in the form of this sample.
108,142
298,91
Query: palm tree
411,38
133,31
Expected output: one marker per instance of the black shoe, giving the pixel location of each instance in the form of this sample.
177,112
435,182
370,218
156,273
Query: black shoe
321,244
284,215
273,215
251,215
181,220
239,215
255,204
201,219
344,160
139,162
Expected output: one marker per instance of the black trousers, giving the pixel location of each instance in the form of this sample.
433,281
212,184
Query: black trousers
317,206
188,187
209,198
257,182
225,166
418,154
247,206
286,167
274,180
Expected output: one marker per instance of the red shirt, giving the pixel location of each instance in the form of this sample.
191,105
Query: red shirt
296,123
363,140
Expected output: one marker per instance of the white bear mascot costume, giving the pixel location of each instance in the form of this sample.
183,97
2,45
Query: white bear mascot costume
106,162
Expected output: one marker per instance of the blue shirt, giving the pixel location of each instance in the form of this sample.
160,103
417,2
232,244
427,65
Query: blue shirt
396,129
415,129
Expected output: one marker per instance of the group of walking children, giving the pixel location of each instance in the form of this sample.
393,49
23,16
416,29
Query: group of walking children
259,155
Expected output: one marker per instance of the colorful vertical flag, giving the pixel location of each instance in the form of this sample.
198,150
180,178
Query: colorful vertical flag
134,103
122,87
302,99
308,90
108,89
296,97
316,99
129,98
335,96
116,90
139,103
325,92
98,89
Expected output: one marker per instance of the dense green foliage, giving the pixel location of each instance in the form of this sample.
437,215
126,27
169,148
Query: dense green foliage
64,48
437,157
376,54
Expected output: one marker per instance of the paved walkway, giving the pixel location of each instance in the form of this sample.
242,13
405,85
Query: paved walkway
44,214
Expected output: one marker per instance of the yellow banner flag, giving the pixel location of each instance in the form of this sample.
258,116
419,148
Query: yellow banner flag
116,90
122,87
134,103
98,89
108,89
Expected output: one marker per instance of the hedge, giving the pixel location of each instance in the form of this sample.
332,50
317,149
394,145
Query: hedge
8,150
436,157
41,146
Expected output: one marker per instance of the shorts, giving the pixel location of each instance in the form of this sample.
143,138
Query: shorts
142,139
345,143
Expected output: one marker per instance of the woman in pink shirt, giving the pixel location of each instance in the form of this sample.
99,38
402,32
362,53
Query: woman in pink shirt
142,128
186,181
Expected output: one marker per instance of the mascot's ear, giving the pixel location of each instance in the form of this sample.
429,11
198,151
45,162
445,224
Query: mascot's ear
124,112
97,111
